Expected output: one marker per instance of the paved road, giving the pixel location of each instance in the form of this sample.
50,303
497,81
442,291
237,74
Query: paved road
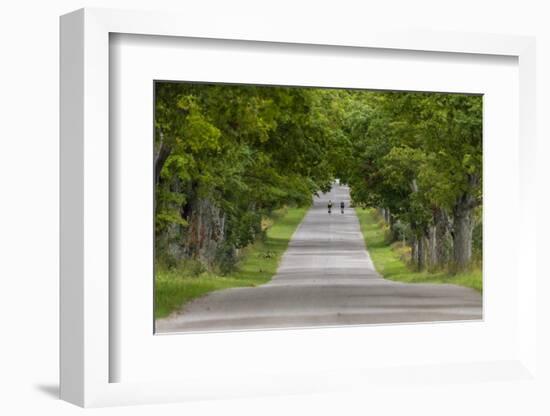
326,277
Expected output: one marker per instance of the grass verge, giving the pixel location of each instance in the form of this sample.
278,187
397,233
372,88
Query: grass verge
389,263
258,264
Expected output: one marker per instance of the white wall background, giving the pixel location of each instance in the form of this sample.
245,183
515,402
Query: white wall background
29,206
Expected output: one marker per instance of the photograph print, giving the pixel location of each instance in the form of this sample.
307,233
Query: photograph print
298,207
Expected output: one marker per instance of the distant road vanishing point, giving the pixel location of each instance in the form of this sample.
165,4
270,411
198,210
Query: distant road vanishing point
326,278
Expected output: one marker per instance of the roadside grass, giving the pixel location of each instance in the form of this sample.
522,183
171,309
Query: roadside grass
389,259
257,265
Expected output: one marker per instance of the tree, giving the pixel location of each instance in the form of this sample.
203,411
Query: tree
227,156
223,162
419,157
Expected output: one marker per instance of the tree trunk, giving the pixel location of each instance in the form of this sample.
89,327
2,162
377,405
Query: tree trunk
414,251
382,213
162,151
387,216
160,158
443,244
424,261
421,253
433,260
463,226
206,231
462,237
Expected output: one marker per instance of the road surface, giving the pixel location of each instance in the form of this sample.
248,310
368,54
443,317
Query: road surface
326,278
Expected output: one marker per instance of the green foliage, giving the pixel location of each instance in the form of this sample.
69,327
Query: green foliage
431,139
246,150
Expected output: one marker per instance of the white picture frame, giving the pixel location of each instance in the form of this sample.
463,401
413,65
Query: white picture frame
85,352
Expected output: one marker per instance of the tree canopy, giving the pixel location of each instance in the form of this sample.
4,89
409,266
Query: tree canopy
228,156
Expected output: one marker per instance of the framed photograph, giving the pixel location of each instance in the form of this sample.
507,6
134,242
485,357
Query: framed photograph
304,206
322,200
